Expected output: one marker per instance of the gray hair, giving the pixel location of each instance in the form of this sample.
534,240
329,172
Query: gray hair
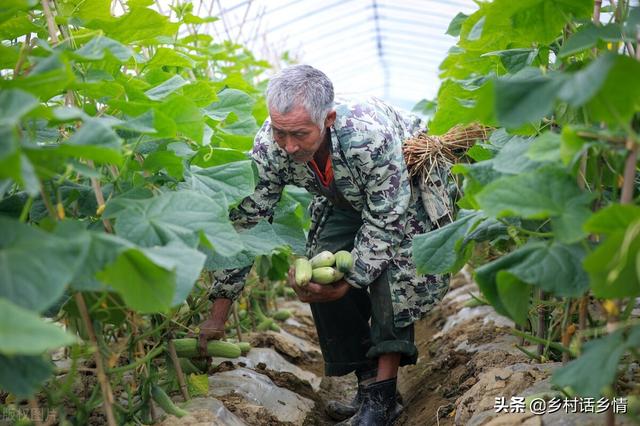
301,85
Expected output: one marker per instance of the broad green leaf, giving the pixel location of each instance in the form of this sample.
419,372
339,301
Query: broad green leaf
525,97
23,332
597,366
166,160
545,148
568,227
588,36
486,276
512,159
618,99
186,115
23,375
288,222
166,57
210,156
234,141
9,56
95,141
436,252
515,296
556,268
476,30
96,48
178,216
545,193
456,24
230,100
9,153
85,10
532,21
18,25
477,176
260,239
245,126
571,145
478,153
233,180
121,201
103,250
612,265
14,104
185,261
50,77
582,85
459,106
36,266
144,286
613,218
137,25
487,230
201,92
141,124
515,59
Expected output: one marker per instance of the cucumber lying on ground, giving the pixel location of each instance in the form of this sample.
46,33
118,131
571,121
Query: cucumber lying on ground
163,400
281,315
188,348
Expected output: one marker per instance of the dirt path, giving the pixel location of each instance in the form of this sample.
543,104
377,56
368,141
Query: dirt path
467,359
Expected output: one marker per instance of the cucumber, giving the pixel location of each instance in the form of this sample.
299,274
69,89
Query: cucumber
326,275
163,400
324,258
265,324
281,315
344,261
244,347
188,348
188,367
303,271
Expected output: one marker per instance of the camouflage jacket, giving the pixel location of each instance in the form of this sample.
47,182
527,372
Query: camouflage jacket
370,173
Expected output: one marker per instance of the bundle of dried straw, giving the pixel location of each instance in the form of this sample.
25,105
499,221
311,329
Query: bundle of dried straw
423,152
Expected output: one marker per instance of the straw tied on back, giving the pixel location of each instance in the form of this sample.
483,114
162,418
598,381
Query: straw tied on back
429,160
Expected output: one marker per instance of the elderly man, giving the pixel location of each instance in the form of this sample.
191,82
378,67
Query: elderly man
349,155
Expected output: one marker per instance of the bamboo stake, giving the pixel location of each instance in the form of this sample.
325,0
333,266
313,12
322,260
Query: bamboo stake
102,377
51,22
542,322
184,390
236,318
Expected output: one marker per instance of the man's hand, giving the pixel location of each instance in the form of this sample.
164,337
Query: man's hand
317,293
213,327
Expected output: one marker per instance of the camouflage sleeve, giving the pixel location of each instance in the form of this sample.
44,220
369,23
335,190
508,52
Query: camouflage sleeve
228,283
387,195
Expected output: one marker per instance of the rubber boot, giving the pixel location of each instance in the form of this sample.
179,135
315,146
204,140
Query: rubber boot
340,410
379,406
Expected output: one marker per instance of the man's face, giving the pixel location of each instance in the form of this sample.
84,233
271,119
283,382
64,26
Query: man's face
297,134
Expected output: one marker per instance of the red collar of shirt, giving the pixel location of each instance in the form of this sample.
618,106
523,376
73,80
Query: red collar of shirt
325,177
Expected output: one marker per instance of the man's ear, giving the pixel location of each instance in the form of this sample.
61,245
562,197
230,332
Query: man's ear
331,118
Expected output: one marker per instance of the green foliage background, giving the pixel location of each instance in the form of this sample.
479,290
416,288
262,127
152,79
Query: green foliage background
123,145
543,198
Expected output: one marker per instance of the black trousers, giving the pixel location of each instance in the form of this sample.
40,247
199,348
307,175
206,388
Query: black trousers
355,330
